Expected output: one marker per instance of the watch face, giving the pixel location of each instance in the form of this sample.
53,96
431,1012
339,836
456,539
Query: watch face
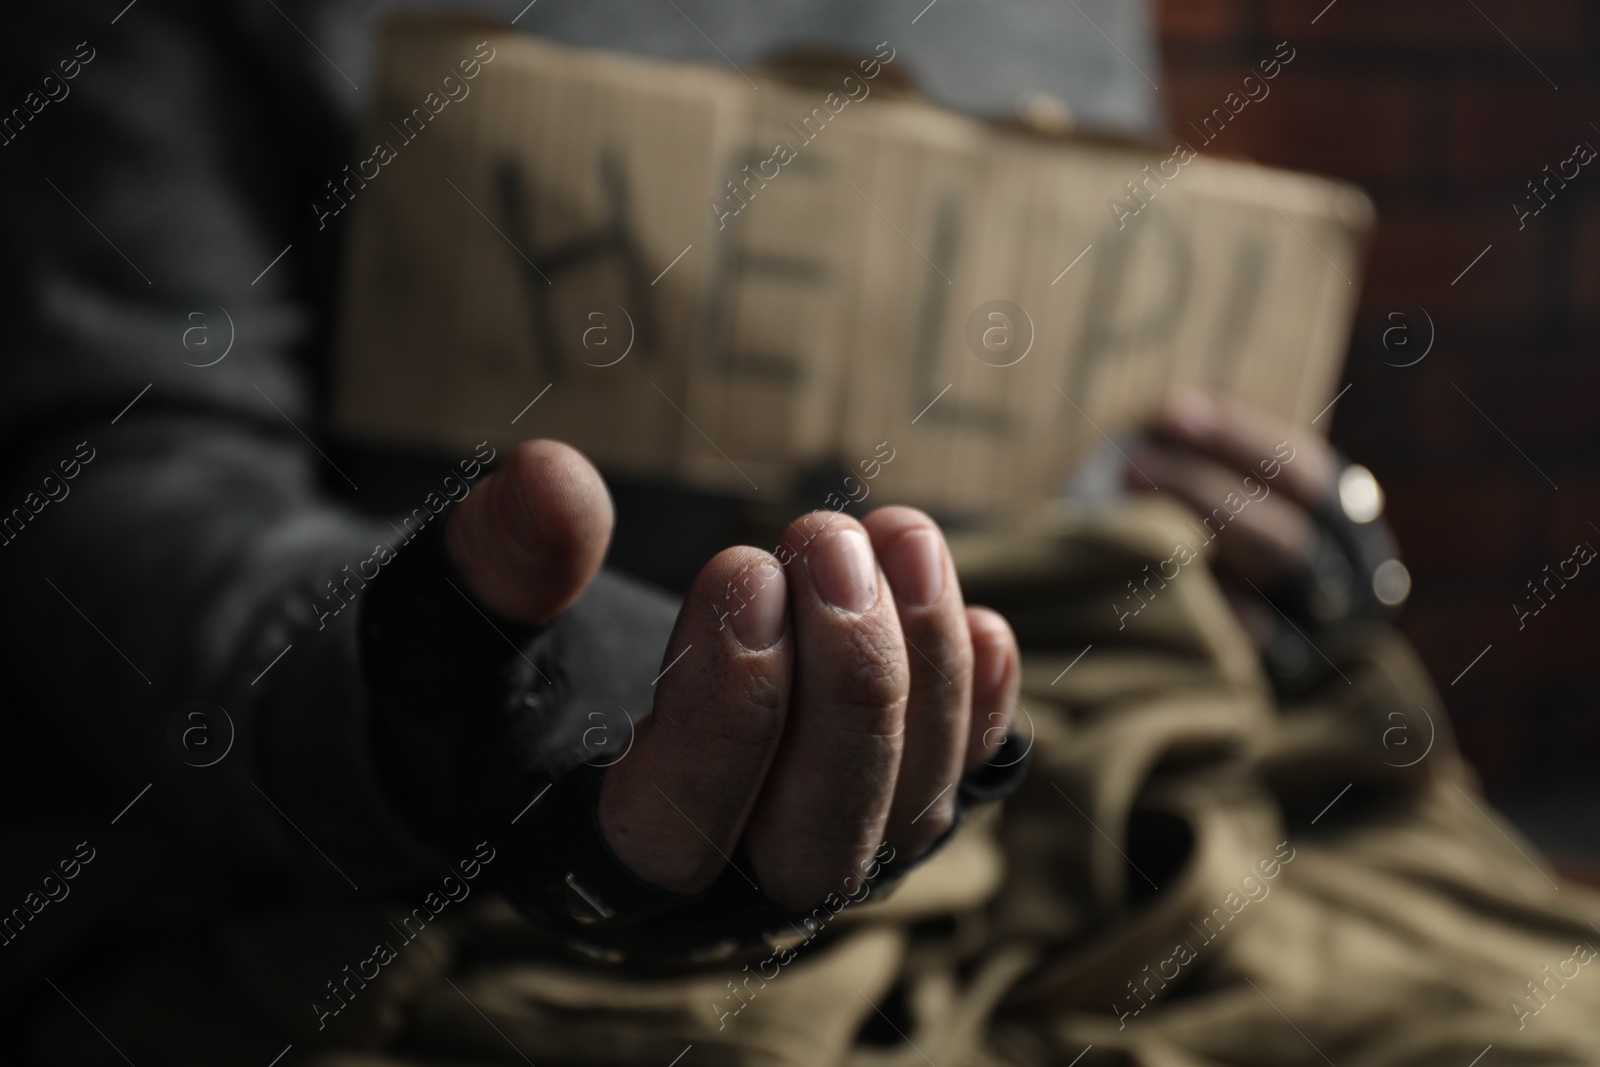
1360,496
1391,583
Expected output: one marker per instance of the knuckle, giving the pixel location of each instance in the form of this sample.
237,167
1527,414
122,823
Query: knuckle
749,713
872,683
878,677
943,647
930,827
762,705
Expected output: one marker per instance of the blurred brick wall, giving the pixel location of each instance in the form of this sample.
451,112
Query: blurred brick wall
1443,119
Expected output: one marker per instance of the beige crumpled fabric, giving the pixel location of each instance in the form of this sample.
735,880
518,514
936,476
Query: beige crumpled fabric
1192,875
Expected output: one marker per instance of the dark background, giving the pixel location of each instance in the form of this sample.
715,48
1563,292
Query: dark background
1443,120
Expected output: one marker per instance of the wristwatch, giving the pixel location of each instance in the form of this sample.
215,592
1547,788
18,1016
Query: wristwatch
1352,578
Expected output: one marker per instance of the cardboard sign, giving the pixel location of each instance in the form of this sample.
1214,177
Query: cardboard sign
724,281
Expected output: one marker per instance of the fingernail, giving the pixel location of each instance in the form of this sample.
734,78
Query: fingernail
844,572
916,568
759,604
990,669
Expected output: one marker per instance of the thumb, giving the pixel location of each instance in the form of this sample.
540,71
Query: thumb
534,533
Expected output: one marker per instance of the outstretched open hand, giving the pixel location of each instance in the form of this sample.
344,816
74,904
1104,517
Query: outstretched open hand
818,701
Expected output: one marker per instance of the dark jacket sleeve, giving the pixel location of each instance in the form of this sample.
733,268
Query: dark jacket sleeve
168,529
